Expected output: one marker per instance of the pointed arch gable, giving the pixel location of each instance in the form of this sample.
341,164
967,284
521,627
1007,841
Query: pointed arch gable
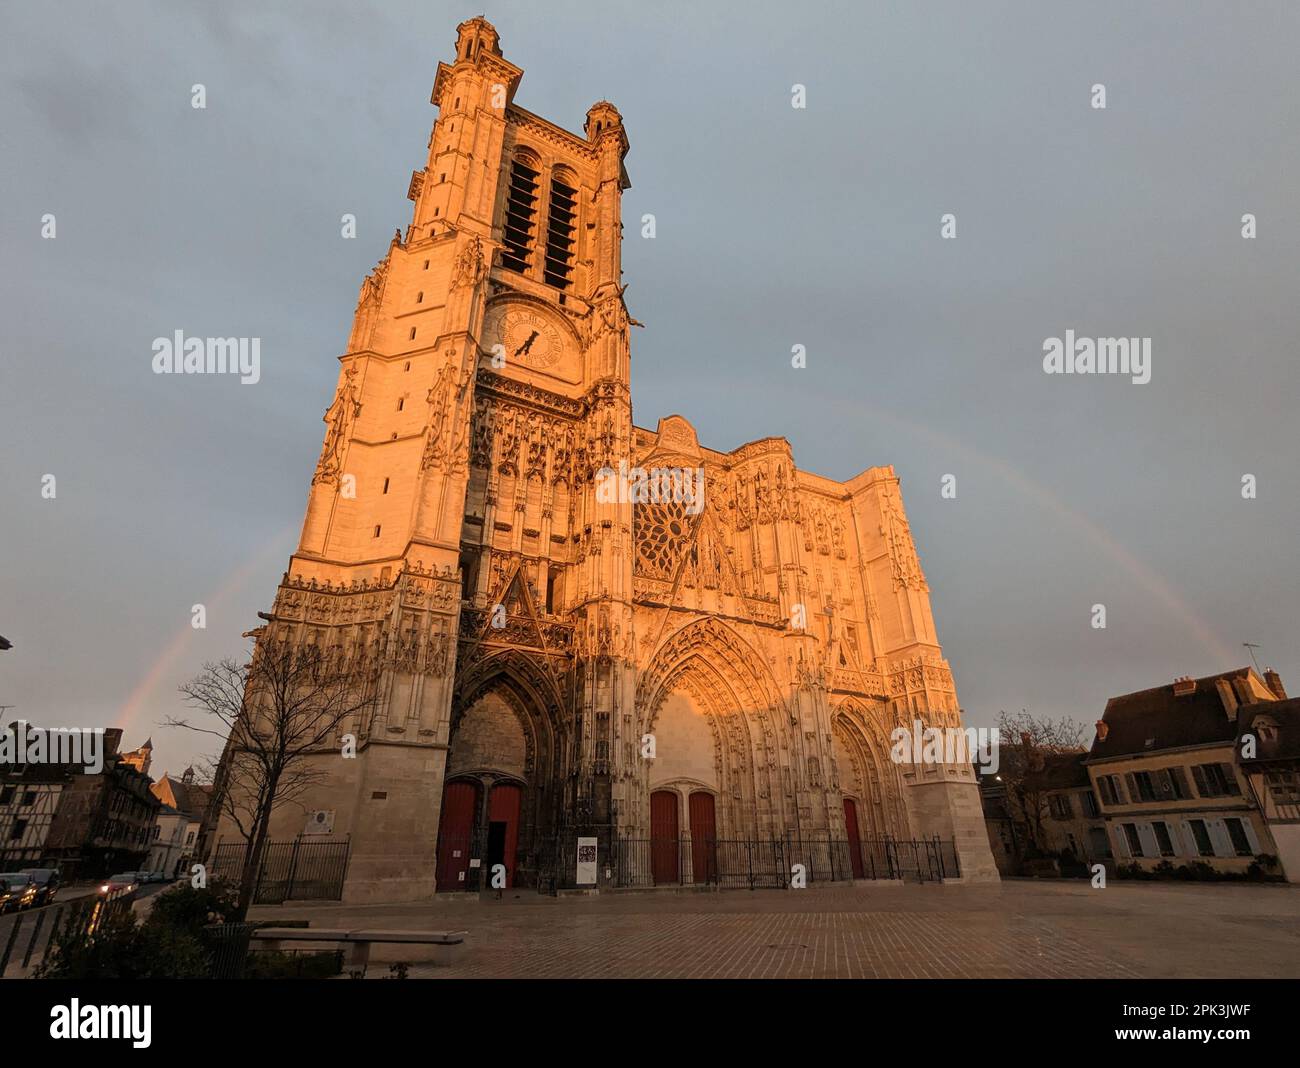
718,647
531,681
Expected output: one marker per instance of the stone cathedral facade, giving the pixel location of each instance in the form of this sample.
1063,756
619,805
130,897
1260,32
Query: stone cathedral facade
533,640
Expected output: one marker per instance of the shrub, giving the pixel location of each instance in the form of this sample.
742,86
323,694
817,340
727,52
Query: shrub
122,948
1072,866
274,965
1264,868
169,944
189,909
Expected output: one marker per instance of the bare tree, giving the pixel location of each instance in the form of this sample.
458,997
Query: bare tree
286,704
1026,744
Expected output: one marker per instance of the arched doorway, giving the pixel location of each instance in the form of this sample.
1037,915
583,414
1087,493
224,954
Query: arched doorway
704,837
460,806
468,831
860,748
664,842
854,837
501,741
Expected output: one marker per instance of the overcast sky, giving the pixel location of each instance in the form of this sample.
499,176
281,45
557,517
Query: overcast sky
775,227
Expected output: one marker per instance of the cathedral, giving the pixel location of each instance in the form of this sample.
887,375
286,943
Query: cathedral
554,661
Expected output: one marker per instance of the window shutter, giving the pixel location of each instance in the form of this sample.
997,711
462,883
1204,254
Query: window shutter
1131,780
1199,777
1179,781
1248,825
1218,832
1184,840
561,234
1147,836
521,211
1121,842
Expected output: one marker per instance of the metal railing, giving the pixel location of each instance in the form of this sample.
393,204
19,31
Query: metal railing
304,869
755,864
27,937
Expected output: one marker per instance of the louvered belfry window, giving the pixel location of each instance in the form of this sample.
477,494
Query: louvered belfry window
560,235
521,217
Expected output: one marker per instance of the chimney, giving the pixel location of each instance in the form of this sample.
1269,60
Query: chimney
1274,681
1184,685
1103,729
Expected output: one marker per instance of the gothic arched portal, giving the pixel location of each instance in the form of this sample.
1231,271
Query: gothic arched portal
502,761
718,721
866,774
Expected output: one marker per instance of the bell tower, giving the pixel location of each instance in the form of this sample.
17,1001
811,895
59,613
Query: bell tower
452,541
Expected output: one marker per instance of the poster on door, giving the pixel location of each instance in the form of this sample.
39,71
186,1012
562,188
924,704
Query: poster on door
586,862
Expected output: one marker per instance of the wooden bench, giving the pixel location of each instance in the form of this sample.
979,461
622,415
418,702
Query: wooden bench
358,941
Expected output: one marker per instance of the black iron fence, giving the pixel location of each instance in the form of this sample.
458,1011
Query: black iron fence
645,862
753,864
27,938
304,869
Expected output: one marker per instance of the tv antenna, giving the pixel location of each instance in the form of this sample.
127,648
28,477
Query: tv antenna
1252,647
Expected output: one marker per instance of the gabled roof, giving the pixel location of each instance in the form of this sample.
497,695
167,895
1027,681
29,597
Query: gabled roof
1061,771
1155,719
190,798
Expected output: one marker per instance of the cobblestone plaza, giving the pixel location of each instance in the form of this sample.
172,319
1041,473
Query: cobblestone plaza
1020,929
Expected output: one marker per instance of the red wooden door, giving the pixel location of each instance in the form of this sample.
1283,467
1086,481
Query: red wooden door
503,807
456,834
855,842
663,836
704,837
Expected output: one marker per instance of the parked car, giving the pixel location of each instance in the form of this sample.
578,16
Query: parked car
127,880
19,890
47,883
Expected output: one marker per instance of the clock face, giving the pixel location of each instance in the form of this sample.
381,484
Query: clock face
527,337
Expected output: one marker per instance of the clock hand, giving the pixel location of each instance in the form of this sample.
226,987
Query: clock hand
527,344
